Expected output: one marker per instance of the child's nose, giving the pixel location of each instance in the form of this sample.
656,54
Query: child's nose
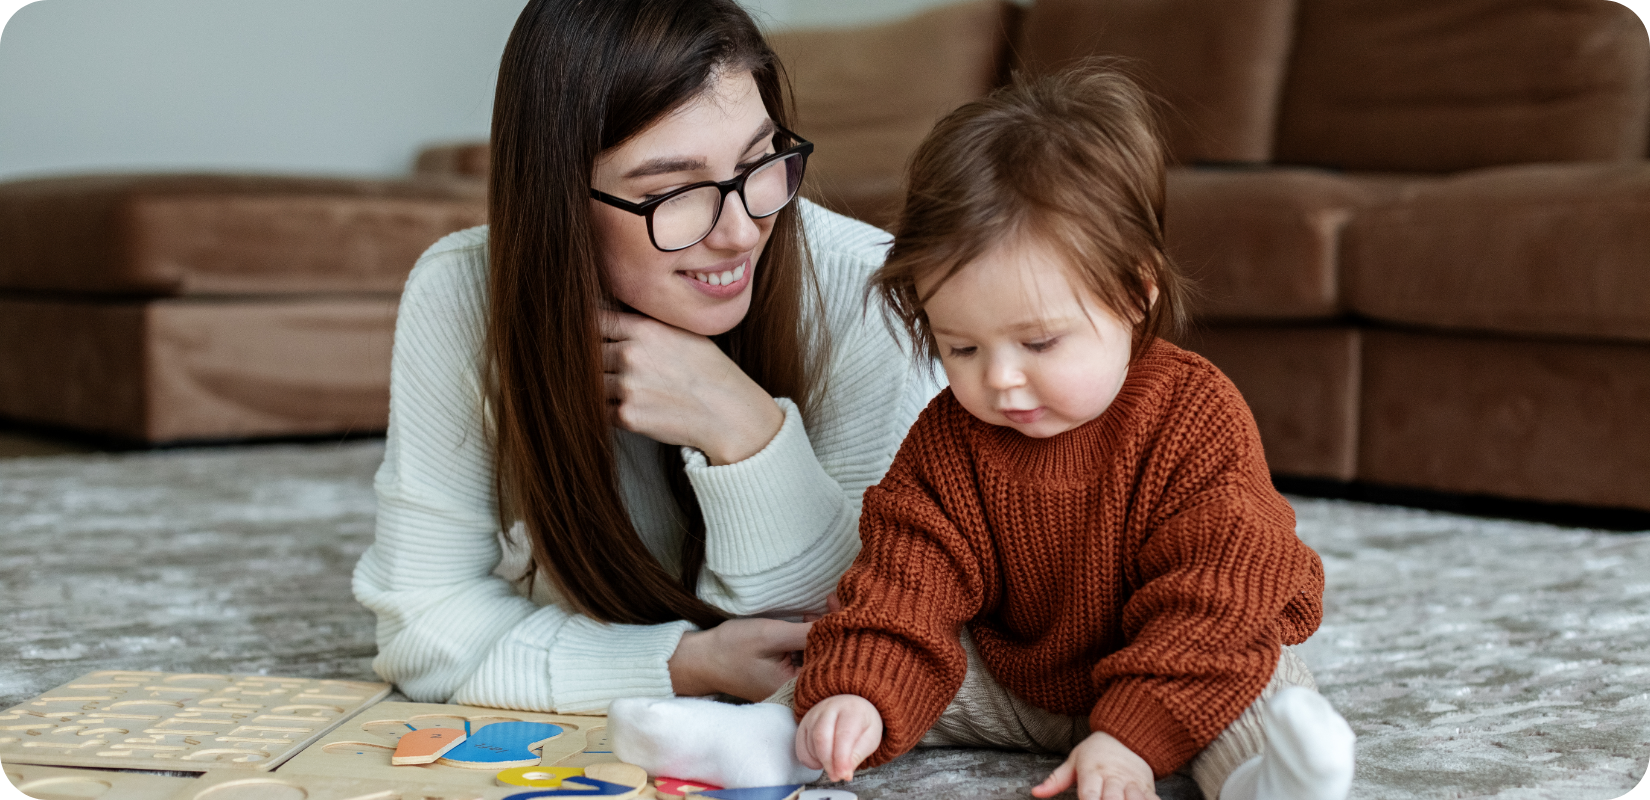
1003,374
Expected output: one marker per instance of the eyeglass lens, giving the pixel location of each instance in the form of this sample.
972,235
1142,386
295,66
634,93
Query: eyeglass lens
685,219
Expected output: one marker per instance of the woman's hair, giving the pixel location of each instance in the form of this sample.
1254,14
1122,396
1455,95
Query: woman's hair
579,77
1073,161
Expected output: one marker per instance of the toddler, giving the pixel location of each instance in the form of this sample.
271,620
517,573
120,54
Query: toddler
1078,548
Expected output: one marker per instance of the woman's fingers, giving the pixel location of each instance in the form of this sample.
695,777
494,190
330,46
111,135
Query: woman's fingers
617,326
793,636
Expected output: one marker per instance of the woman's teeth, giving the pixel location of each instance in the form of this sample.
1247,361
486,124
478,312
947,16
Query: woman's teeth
719,278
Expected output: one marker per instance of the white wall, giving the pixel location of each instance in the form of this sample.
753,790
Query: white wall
297,86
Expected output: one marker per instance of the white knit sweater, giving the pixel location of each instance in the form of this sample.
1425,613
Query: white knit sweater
781,526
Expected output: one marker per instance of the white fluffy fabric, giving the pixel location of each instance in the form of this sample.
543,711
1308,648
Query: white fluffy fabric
703,740
1308,753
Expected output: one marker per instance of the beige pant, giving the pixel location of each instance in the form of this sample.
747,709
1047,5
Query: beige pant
984,714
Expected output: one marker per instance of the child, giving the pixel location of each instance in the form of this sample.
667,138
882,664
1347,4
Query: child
1078,548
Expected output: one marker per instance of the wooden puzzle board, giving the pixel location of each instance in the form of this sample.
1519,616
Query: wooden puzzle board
58,783
178,722
361,748
284,786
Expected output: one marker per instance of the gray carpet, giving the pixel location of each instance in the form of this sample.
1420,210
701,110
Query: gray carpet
1474,658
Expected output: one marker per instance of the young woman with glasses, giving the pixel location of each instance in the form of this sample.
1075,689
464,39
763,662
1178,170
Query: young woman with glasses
630,420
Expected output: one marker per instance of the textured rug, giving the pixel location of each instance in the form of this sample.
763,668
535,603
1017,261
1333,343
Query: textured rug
1475,658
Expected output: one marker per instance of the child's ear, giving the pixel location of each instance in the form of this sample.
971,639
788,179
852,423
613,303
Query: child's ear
1151,293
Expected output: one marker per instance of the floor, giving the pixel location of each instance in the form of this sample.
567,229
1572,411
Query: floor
1475,658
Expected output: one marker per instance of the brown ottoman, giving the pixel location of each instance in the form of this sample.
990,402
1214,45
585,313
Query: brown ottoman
200,307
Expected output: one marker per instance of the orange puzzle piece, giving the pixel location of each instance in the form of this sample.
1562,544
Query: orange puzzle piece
426,745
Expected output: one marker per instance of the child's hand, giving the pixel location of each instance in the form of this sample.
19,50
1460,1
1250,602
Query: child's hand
1105,769
838,733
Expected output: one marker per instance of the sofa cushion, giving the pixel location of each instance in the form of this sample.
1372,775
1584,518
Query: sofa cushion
217,234
1261,244
458,159
1220,65
867,96
1430,86
1561,422
1558,249
194,369
1302,385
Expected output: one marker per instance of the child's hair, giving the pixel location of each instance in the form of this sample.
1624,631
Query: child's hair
1073,161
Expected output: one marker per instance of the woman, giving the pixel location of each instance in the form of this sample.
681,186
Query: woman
634,412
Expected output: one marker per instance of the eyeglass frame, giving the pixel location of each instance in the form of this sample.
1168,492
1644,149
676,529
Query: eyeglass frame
735,184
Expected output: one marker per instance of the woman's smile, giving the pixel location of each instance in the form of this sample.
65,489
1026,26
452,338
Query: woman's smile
721,281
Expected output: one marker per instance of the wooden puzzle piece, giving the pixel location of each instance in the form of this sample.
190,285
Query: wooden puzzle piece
58,783
178,722
284,785
425,745
596,750
581,787
673,788
503,744
618,772
787,792
363,747
537,777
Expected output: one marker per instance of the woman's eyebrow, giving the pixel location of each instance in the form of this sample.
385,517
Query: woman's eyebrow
667,165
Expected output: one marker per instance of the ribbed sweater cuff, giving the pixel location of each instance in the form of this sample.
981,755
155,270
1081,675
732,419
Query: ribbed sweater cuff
762,512
1130,713
906,692
593,664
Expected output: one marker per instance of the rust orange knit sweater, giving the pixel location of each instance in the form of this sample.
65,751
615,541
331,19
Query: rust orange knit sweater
1139,569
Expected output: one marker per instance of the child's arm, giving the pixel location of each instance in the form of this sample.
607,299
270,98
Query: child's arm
837,734
1102,767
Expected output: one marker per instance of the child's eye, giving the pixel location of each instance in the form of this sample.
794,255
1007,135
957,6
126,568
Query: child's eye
959,352
1042,345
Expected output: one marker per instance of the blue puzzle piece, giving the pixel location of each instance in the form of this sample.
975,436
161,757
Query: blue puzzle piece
755,793
504,743
575,787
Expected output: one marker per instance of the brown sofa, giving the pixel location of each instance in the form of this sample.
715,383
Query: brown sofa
168,308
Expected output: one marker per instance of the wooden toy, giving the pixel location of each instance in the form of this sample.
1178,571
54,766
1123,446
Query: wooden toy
581,787
787,792
178,722
503,744
364,746
828,794
58,782
426,745
596,751
282,785
618,772
672,788
537,777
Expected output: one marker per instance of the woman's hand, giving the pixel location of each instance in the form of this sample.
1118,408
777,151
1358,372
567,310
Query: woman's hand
747,658
678,388
1103,769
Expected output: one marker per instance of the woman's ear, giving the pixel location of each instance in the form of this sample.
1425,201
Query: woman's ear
1151,293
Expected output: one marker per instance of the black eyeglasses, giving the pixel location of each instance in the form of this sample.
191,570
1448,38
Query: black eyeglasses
682,218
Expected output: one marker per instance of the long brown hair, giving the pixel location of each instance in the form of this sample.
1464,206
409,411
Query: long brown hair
577,78
1073,159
